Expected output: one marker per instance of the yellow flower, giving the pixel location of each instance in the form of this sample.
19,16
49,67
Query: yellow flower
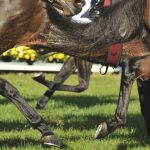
50,58
60,56
54,56
22,48
32,58
13,51
33,55
17,58
27,56
20,55
5,53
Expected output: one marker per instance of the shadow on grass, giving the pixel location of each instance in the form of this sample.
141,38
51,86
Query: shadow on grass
13,125
17,142
85,122
133,146
5,101
136,123
86,101
28,142
78,100
81,101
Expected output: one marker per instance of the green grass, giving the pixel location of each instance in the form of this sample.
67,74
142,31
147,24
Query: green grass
73,117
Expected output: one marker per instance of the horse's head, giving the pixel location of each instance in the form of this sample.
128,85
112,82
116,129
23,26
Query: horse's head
68,7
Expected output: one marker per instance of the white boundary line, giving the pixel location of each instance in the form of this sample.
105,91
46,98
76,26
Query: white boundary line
45,67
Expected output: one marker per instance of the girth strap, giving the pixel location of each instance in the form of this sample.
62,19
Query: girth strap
114,55
107,3
115,51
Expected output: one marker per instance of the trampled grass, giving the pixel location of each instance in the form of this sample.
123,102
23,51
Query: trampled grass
73,117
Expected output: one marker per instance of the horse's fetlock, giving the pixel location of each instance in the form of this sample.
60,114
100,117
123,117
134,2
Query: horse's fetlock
7,89
11,92
81,88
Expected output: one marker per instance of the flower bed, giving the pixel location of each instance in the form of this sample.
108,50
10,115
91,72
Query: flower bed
24,53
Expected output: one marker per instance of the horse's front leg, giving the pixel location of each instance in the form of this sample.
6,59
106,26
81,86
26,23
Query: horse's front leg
121,112
144,97
9,91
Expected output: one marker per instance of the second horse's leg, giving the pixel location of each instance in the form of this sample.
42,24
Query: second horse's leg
135,68
67,69
122,106
9,91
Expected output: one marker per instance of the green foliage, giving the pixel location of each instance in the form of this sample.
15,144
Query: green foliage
73,117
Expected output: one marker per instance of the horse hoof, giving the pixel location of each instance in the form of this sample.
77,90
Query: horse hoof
38,77
102,130
50,140
39,106
42,102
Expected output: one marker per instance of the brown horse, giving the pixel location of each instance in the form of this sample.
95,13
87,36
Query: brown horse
22,21
114,26
35,23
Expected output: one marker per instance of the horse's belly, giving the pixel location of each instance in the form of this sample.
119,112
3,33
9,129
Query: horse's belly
135,48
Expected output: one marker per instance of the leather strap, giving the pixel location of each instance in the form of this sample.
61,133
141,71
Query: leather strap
114,55
115,51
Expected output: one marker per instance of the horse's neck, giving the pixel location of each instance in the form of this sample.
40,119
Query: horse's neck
147,13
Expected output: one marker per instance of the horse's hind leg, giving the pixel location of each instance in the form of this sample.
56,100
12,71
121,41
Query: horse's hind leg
67,69
144,96
10,92
122,106
84,71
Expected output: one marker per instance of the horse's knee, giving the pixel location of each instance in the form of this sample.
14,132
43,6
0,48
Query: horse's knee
6,89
